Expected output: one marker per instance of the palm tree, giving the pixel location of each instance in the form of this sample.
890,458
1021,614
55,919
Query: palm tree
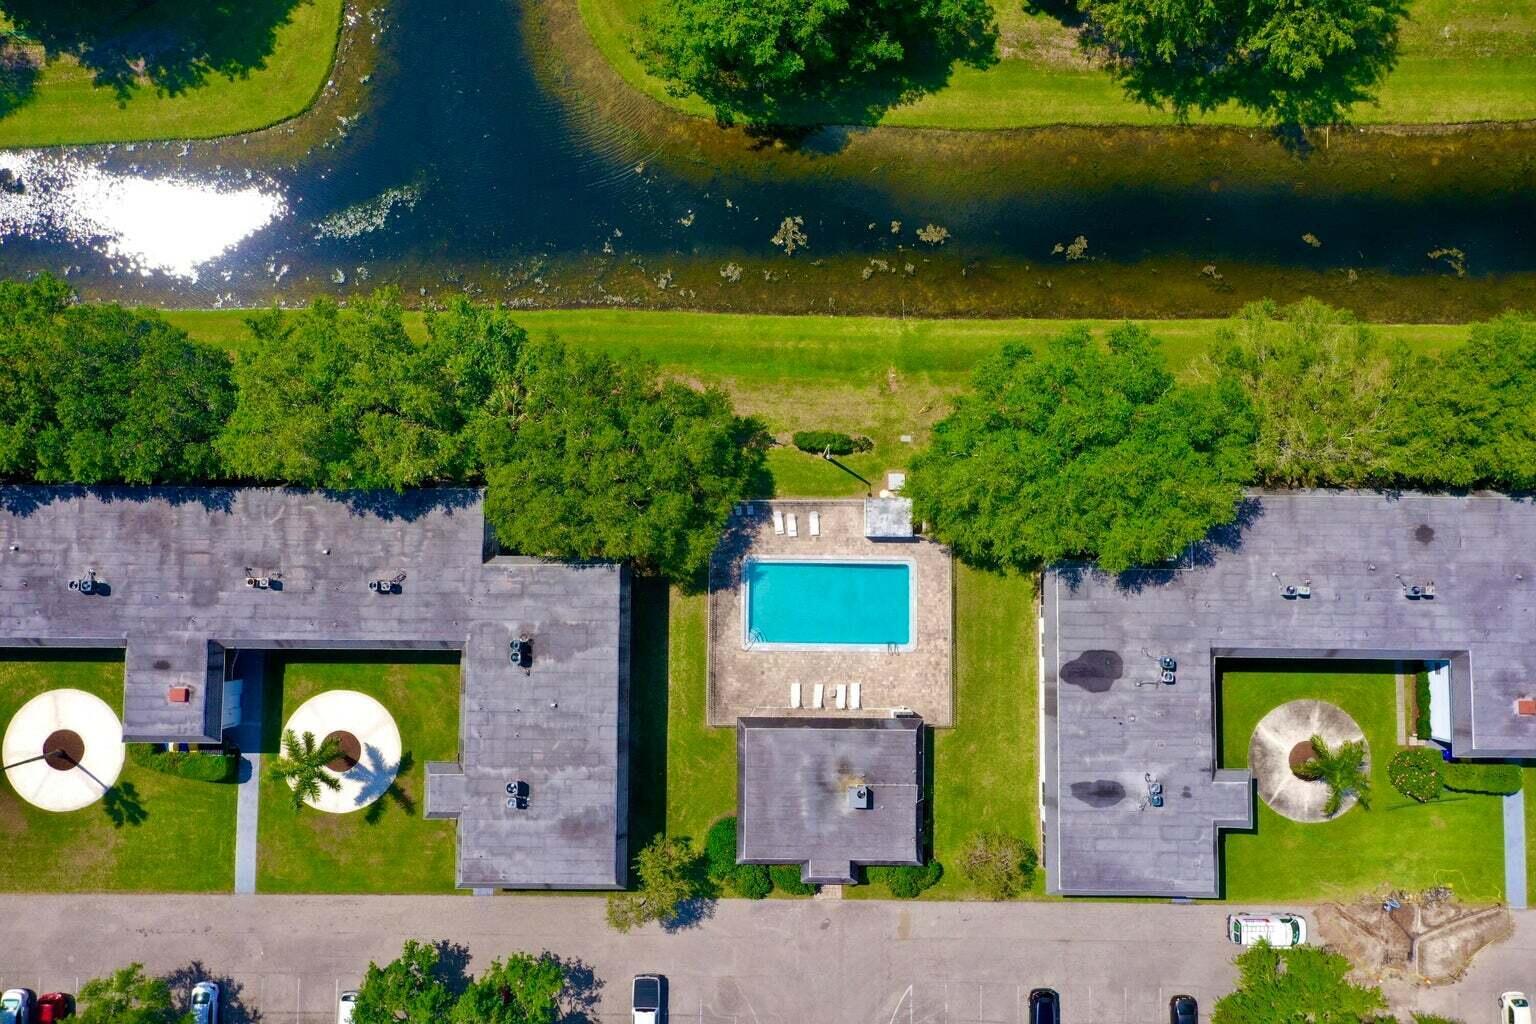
302,765
1343,770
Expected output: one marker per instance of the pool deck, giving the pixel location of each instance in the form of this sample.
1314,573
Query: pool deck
756,681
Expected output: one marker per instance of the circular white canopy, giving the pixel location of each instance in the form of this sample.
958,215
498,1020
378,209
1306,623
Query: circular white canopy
1277,734
377,734
97,737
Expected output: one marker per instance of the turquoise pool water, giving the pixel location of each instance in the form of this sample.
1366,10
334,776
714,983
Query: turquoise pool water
835,603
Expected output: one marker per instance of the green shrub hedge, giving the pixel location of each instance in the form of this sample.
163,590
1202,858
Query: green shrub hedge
720,850
751,881
185,764
1416,773
907,882
818,441
1494,779
786,877
1421,705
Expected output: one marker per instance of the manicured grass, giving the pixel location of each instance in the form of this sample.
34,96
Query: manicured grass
184,840
388,847
701,761
66,106
1456,840
1460,61
1530,831
882,377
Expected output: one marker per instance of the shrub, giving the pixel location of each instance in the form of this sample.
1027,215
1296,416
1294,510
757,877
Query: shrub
818,441
720,849
1494,779
1002,866
751,881
786,878
907,882
1421,705
1416,773
185,764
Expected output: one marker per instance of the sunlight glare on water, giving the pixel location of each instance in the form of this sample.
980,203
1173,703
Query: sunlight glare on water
170,224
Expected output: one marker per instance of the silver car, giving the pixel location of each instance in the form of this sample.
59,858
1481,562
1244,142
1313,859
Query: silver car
345,1005
205,1003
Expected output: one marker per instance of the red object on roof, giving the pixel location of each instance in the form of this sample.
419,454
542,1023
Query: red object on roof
179,695
1525,706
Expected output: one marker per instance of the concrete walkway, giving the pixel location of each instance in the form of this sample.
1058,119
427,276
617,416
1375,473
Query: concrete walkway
1514,850
248,737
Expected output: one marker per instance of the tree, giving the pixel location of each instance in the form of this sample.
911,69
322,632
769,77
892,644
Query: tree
1083,451
302,766
128,997
344,398
409,990
95,394
1304,983
667,873
1001,865
522,989
788,61
1326,392
1289,63
608,461
1341,769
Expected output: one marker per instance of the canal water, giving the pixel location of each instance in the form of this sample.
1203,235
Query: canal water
492,155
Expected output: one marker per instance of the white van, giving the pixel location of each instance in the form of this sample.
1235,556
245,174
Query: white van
1279,930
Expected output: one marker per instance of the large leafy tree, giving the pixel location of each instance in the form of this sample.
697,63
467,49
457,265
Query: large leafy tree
608,460
97,394
127,996
783,61
345,398
1083,450
667,878
408,990
521,989
1292,63
1304,983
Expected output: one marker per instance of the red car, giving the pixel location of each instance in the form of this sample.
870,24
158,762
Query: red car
54,1006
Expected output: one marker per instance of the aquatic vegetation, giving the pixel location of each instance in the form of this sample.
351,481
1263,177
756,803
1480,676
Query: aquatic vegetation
361,218
1454,258
791,235
1312,240
933,234
731,272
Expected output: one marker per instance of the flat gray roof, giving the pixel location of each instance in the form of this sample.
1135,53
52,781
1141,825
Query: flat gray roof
1102,634
793,780
175,562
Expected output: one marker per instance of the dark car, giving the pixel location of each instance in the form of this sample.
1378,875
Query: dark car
1044,1006
1183,1010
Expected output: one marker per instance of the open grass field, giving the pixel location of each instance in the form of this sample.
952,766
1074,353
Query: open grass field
881,377
177,835
1456,840
1460,62
67,106
389,846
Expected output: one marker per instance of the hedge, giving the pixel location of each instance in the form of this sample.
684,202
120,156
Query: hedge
1416,773
1421,705
751,881
907,882
720,849
1494,779
818,441
786,878
185,764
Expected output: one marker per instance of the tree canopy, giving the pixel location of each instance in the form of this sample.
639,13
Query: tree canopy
782,61
127,996
408,990
521,989
1290,63
668,877
101,394
608,460
1078,450
1304,983
423,986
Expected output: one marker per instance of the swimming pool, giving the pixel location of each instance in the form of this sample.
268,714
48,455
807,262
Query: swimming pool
794,602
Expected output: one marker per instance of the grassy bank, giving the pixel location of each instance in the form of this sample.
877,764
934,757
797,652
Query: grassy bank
66,105
1460,62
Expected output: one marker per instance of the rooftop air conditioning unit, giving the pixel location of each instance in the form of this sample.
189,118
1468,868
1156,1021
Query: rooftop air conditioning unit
860,798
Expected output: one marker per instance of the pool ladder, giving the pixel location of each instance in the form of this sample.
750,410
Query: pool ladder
754,637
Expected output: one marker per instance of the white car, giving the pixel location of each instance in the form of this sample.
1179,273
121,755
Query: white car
648,999
345,1005
1514,1008
1279,930
205,1003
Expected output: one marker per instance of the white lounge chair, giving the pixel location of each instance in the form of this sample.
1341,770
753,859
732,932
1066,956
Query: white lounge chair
794,525
840,696
815,524
816,696
853,696
778,521
794,695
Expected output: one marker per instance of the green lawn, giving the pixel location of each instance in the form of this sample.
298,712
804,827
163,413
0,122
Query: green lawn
1461,60
1530,831
701,761
388,847
1456,840
183,840
66,106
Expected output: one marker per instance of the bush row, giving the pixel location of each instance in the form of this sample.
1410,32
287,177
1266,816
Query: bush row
1468,777
1420,773
200,767
832,442
1421,705
751,881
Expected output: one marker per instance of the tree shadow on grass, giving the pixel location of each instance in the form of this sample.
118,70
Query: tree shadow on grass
19,68
232,1005
649,675
173,45
123,805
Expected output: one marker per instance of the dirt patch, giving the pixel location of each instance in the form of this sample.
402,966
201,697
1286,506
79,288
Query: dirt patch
1425,939
1301,753
351,752
64,749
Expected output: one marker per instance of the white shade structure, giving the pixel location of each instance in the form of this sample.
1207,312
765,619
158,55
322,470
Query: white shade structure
378,738
85,738
1279,734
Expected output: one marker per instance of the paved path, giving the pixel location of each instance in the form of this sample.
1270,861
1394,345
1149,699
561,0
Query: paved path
248,738
1514,850
776,962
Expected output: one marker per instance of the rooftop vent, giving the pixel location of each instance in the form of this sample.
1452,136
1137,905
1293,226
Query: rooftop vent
1525,706
860,798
